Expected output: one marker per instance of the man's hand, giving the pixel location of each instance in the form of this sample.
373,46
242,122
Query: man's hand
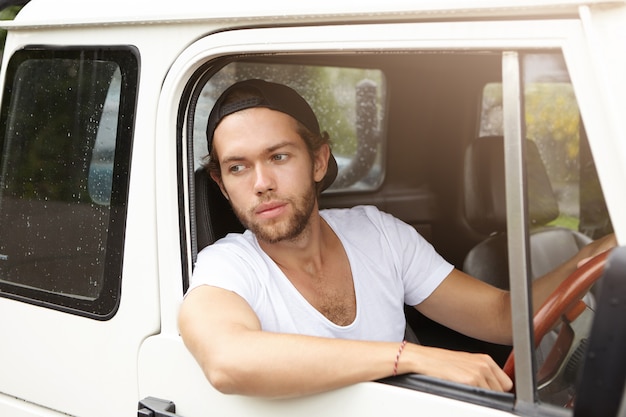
596,247
478,370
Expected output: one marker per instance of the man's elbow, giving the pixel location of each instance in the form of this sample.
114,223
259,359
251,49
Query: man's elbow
222,381
225,378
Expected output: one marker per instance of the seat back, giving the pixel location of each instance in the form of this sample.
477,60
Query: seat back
484,190
215,217
485,210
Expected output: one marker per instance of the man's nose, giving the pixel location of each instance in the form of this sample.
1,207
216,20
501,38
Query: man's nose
264,179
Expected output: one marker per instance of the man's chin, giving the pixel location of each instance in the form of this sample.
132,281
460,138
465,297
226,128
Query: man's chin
271,236
276,233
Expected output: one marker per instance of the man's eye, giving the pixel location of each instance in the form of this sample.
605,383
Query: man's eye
236,168
280,157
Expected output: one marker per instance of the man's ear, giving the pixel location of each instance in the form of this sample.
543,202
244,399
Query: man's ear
320,164
218,180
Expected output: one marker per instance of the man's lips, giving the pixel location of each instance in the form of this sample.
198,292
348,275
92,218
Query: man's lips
270,209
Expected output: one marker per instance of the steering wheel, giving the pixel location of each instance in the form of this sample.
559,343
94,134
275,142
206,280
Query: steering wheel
563,304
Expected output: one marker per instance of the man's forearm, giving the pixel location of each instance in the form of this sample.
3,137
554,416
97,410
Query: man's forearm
237,356
547,284
282,365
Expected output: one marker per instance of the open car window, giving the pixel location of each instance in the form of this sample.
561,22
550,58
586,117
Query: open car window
408,157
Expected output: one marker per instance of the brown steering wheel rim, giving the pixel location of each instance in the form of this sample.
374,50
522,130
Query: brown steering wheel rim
564,298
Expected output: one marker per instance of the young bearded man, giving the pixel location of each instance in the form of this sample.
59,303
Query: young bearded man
307,300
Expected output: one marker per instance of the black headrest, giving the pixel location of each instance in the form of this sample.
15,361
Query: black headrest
214,216
484,191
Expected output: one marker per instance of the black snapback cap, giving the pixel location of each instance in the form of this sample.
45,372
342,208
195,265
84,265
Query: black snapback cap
273,96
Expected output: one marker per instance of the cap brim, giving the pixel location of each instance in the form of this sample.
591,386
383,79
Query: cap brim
331,173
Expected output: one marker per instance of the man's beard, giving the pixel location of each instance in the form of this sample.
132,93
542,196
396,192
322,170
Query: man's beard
286,229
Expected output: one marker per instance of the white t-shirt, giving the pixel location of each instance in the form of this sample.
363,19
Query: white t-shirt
391,265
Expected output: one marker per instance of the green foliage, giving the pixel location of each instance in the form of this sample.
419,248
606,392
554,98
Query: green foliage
56,106
7,14
552,121
569,222
336,107
331,92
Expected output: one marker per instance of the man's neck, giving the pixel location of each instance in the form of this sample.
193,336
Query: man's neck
318,267
304,252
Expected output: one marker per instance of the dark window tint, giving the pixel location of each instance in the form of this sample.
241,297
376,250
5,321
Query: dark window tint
66,136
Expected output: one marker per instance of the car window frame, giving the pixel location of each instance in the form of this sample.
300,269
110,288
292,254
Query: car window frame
518,245
515,38
515,186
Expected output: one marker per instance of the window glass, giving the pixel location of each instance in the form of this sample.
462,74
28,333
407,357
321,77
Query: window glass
347,101
553,124
565,202
64,142
100,178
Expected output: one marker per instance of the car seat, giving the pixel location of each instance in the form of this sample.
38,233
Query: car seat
485,211
214,216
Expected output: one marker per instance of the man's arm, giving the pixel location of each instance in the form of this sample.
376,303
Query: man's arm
544,286
224,335
479,310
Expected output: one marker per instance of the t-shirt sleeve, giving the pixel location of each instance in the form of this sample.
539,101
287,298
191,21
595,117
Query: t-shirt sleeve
228,266
417,262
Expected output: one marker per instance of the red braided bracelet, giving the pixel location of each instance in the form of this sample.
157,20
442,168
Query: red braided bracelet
395,365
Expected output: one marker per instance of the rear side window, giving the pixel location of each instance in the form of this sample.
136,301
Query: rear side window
348,102
66,126
553,123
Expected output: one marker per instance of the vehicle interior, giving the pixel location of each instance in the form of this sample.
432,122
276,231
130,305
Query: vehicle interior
419,135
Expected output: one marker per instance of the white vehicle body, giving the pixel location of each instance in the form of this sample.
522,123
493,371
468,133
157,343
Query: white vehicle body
54,362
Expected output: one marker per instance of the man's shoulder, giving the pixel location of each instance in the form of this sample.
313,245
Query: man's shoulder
361,210
367,221
357,213
357,218
232,243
